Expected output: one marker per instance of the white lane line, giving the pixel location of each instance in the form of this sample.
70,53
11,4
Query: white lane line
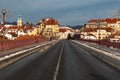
58,64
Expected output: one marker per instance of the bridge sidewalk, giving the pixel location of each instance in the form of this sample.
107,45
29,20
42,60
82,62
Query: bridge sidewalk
104,48
7,52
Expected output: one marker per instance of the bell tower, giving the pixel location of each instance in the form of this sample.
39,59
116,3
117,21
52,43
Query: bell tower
19,21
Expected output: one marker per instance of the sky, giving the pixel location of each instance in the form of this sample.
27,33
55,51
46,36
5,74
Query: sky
66,12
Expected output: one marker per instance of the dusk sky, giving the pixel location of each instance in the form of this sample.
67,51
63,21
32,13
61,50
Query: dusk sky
66,12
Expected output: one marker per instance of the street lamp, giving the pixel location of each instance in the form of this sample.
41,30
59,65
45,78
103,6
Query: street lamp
3,16
98,26
3,20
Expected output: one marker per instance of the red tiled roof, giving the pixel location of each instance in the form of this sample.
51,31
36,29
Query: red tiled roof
13,27
88,29
108,20
22,27
48,21
62,30
114,34
93,20
26,28
91,35
13,34
108,29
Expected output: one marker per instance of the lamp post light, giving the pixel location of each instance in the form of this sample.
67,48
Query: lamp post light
3,16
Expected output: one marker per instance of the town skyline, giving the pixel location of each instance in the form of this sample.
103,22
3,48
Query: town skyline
72,12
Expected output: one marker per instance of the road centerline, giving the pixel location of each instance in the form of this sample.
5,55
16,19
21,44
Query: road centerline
58,64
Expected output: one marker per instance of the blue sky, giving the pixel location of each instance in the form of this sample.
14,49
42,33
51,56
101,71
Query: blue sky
66,12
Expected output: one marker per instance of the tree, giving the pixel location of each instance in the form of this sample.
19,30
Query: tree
69,36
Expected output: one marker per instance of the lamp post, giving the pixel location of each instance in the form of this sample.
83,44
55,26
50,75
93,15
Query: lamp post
3,20
98,26
3,16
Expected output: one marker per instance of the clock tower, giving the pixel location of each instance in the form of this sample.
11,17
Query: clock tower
19,21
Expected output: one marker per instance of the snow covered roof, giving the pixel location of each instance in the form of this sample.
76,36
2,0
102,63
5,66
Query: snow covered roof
48,21
64,29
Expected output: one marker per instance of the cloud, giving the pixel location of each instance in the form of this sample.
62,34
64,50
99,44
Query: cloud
66,11
48,4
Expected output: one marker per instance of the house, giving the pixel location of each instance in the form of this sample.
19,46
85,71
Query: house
12,32
95,23
48,27
90,36
30,30
114,23
11,36
26,30
65,31
12,29
96,33
115,37
1,29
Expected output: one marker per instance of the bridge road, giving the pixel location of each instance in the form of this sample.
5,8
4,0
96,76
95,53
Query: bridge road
76,63
38,66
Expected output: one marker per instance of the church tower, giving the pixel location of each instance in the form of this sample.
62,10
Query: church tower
19,21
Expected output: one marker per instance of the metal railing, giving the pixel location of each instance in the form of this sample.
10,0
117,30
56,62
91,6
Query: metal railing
111,58
103,42
7,59
6,45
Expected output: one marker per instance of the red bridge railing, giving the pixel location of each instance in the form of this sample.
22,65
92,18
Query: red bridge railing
5,45
104,43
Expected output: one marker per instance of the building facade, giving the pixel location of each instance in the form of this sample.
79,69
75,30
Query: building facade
107,22
96,33
99,29
65,31
19,21
48,27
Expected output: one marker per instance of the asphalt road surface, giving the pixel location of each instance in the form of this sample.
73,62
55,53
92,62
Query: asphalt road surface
64,61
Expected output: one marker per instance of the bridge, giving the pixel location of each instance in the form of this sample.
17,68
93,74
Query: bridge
61,60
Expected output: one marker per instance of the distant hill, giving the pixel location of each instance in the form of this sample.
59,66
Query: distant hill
77,27
13,23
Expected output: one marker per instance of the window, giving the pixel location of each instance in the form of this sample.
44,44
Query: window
49,30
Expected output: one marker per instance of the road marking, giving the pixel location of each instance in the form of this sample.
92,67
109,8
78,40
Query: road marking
58,64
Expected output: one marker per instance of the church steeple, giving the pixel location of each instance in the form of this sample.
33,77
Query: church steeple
19,21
